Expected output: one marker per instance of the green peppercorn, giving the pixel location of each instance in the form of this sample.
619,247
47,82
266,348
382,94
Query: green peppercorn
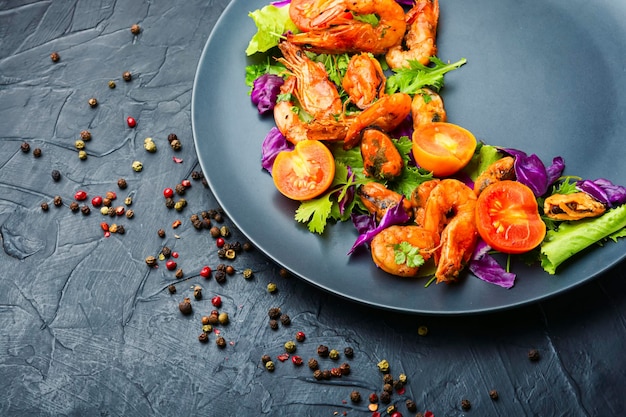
137,166
422,330
111,84
224,231
222,318
104,211
333,354
230,254
207,328
290,346
92,102
247,273
79,144
128,201
383,366
149,145
402,378
180,204
272,288
269,365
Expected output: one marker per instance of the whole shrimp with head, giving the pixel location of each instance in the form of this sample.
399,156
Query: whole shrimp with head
419,43
451,211
329,26
307,83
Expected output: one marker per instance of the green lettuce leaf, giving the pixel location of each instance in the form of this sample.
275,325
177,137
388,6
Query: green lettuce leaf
571,238
271,22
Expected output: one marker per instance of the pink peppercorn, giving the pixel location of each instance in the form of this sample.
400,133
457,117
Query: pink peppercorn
216,301
205,272
170,265
80,195
131,121
96,201
168,193
220,242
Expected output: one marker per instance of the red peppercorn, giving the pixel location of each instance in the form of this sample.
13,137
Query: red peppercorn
185,183
96,201
205,272
296,360
107,234
80,195
396,414
220,242
168,193
170,265
104,226
216,301
131,121
300,336
174,254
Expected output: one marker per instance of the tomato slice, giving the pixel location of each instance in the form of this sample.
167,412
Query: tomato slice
443,148
304,172
507,217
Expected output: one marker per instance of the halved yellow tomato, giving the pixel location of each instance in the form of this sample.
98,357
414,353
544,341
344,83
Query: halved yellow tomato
304,172
443,148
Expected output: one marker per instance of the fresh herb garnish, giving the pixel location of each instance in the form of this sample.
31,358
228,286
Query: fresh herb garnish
410,80
407,254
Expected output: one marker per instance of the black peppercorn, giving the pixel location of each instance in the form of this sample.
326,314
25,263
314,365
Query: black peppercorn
25,147
196,175
466,405
313,364
493,394
120,230
180,189
185,306
122,184
161,233
37,152
265,359
74,206
171,137
179,273
220,342
151,261
166,252
285,319
55,57
135,29
273,324
387,379
85,210
220,277
322,351
345,369
355,396
411,406
203,337
171,288
533,355
326,374
197,224
318,375
373,398
56,175
170,203
385,397
388,388
44,206
349,352
85,135
57,201
127,76
247,246
274,312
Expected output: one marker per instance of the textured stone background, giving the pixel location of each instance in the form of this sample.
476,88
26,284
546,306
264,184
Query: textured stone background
87,329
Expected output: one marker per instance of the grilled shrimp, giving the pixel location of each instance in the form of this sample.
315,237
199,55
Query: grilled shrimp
419,197
378,199
502,169
329,26
419,41
381,158
427,107
385,244
295,129
364,80
386,114
317,95
451,212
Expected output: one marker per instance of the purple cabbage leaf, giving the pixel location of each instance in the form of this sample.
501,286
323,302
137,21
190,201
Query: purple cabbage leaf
273,144
367,228
265,90
604,191
485,267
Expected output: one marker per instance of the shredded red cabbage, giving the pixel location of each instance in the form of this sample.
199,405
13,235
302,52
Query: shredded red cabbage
367,227
485,267
604,191
530,171
265,89
280,3
273,143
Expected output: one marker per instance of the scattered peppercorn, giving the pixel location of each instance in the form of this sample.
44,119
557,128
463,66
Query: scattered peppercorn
196,175
349,352
388,388
127,76
300,336
269,365
317,374
336,372
74,207
247,273
166,252
391,410
25,147
149,145
313,364
274,312
57,201
171,288
197,292
290,346
170,203
44,206
383,366
493,394
283,273
223,319
176,145
37,152
272,288
185,306
466,405
296,360
171,137
122,184
285,320
411,405
92,102
373,398
85,210
85,135
82,155
130,214
56,175
385,397
112,84
273,323
322,351
151,261
203,337
326,374
179,273
333,354
131,122
137,166
345,368
135,29
180,204
355,396
221,343
422,330
387,378
55,57
265,359
220,277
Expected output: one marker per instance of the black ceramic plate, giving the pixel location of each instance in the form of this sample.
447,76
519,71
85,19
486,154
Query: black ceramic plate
545,77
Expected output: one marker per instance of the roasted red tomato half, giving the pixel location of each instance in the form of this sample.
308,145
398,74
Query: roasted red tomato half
507,217
304,172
